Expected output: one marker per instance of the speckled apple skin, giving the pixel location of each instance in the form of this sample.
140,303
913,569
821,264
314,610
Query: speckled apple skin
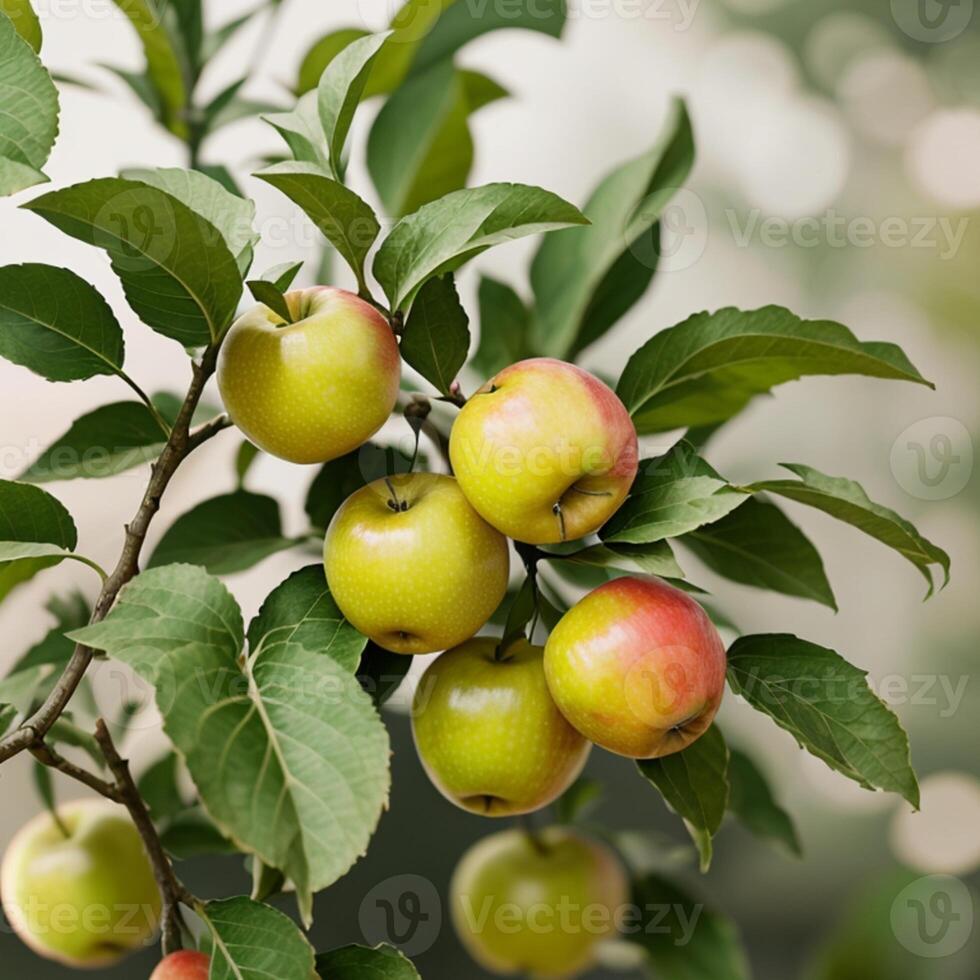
419,580
505,880
315,389
101,873
488,733
185,965
544,432
637,667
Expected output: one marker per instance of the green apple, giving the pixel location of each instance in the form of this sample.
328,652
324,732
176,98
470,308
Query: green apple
85,899
488,732
544,451
637,667
537,905
314,389
185,965
412,565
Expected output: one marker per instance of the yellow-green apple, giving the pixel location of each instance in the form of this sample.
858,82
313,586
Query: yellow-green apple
82,893
544,451
314,389
537,905
185,965
488,732
412,565
637,667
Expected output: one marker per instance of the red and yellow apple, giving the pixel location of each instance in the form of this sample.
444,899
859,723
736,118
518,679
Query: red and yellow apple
412,565
184,965
314,389
544,451
637,667
537,905
85,899
488,732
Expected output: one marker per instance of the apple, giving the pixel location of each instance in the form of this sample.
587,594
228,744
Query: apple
637,667
314,389
85,899
488,732
185,965
544,451
538,904
412,565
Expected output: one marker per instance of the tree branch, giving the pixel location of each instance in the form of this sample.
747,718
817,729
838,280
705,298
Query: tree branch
46,755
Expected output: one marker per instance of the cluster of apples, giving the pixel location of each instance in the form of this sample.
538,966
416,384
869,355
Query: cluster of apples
543,453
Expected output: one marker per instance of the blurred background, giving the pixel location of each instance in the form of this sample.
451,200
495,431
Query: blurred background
838,174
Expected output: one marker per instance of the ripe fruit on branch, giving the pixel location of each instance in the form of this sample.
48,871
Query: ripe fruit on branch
544,451
85,899
637,667
488,732
538,905
314,389
412,565
185,965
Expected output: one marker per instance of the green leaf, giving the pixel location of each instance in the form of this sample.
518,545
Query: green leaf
362,963
7,715
584,281
345,220
28,111
179,275
192,833
709,367
188,18
672,495
282,276
44,786
758,545
339,92
56,324
252,941
301,613
691,941
443,235
828,707
65,732
28,515
301,130
167,64
22,16
694,784
142,87
107,441
159,789
436,337
504,324
215,40
381,671
229,213
847,501
55,648
224,534
334,483
656,558
244,460
323,51
20,690
580,799
751,800
271,296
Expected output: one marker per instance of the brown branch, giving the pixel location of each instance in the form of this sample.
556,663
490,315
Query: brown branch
180,444
46,755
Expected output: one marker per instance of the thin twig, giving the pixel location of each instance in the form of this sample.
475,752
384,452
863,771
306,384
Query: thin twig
46,755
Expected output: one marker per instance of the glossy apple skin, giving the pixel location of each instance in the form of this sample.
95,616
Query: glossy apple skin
314,389
185,965
420,579
488,733
86,900
543,433
637,667
537,909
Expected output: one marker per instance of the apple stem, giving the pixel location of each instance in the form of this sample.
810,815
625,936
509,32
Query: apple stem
557,511
531,833
398,506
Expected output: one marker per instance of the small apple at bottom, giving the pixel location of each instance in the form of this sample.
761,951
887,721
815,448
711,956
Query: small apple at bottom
184,965
544,451
85,899
412,565
314,389
538,905
637,667
488,732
